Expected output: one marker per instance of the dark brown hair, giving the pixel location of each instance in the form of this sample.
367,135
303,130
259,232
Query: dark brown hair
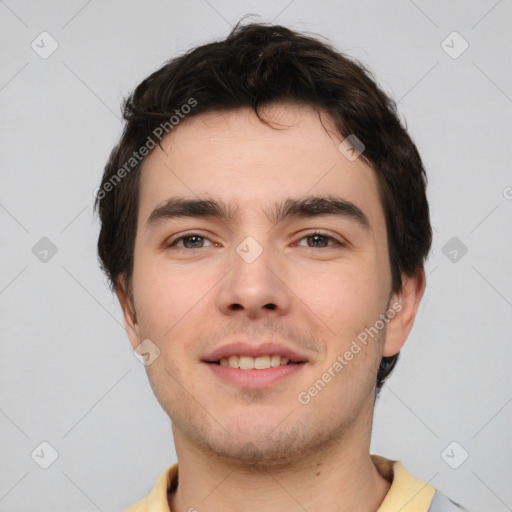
258,64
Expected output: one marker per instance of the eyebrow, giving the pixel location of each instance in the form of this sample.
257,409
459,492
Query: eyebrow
312,206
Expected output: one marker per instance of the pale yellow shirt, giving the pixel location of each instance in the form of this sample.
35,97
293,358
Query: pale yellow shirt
406,494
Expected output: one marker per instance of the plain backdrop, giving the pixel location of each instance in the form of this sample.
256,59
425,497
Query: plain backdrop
68,377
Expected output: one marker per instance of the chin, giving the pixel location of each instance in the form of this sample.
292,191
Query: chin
261,447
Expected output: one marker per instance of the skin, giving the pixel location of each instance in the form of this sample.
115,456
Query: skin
244,449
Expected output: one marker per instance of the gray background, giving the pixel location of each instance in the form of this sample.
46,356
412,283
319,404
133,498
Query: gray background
67,372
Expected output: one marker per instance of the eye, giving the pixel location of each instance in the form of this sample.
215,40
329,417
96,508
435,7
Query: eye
320,240
191,241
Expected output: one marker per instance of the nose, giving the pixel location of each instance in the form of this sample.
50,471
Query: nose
255,288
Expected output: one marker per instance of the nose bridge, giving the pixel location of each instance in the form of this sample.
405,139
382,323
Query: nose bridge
253,285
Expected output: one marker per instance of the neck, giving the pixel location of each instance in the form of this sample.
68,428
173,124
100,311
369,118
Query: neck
340,477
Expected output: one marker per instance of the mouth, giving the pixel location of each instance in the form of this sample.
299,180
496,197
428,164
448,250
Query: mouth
255,363
256,371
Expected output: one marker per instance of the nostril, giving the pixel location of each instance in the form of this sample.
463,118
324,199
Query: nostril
239,306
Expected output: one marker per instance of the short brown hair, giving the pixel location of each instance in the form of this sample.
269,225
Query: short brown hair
258,64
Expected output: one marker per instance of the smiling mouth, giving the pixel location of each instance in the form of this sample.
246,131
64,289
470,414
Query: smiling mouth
255,363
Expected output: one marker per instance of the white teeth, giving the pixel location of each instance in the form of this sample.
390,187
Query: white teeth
246,363
275,361
251,363
262,362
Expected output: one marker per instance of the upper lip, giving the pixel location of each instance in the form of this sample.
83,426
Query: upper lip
253,350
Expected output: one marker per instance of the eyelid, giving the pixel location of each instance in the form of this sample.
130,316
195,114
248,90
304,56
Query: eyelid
324,234
314,232
172,241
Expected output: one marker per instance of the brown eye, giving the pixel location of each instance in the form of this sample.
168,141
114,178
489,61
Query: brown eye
320,240
192,241
317,240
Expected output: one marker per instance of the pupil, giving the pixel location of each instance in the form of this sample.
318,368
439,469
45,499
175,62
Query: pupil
318,238
194,239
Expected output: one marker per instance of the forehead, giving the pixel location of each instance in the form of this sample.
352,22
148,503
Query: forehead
235,157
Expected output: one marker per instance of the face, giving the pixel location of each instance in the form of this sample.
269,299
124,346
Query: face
252,303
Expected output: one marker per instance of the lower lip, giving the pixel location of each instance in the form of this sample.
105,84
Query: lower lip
255,378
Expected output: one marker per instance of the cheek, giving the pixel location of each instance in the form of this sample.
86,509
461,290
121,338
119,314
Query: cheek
346,297
166,297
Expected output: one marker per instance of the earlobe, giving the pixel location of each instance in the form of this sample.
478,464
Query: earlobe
405,304
130,318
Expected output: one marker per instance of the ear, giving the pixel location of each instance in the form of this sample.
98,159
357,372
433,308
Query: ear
405,305
125,298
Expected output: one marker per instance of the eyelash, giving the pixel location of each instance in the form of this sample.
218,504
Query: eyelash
307,235
326,236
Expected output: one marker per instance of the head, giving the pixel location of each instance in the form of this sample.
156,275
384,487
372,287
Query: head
257,136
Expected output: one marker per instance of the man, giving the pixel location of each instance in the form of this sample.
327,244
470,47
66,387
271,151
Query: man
265,227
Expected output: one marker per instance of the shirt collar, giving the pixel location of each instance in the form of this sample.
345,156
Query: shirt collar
405,494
